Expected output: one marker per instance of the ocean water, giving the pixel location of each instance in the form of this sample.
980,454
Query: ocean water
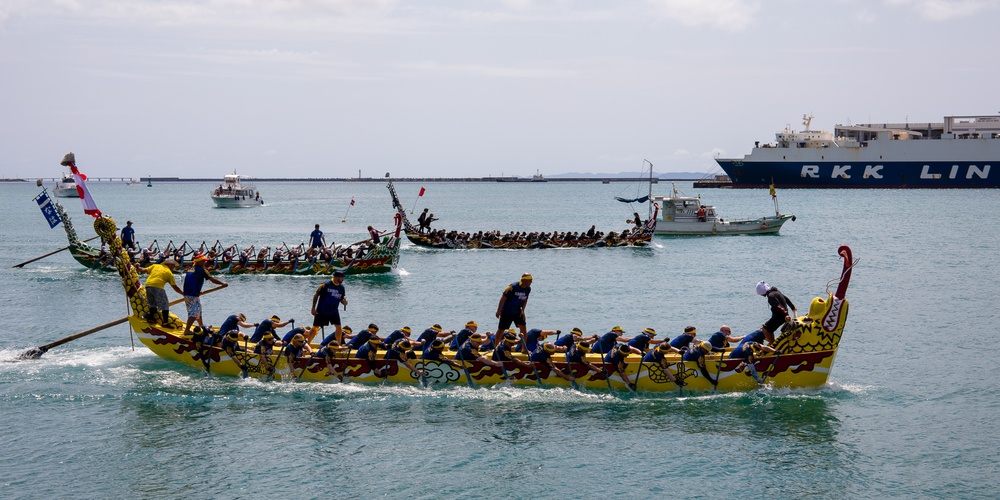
909,410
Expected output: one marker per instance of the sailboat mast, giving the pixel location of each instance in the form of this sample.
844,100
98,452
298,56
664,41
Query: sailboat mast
649,207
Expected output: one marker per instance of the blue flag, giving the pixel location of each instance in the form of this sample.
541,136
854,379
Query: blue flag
48,210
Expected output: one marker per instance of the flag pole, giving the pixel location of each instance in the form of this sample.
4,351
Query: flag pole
348,211
774,197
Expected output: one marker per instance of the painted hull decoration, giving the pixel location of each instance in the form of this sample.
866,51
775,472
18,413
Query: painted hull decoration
444,239
364,258
808,346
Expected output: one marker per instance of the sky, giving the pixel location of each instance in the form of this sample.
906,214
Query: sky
334,88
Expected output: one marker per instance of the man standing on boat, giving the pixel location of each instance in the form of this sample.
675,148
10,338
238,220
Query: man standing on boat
128,236
422,221
317,240
513,300
326,306
159,276
780,305
194,280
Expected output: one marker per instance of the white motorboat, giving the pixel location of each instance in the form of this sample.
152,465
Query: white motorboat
233,193
66,187
688,216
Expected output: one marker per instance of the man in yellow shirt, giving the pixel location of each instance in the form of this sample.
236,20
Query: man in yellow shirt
156,294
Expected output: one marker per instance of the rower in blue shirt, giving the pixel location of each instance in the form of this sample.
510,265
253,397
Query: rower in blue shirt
607,342
658,355
645,339
543,355
464,334
696,353
617,357
577,353
684,340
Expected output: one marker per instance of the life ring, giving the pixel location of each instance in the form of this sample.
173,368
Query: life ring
763,225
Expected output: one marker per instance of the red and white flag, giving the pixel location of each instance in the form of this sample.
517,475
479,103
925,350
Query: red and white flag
352,202
421,192
89,207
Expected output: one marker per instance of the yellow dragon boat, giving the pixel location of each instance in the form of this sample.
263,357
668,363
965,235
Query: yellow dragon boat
807,345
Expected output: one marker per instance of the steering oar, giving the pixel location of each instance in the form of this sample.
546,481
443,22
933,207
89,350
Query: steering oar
38,351
46,255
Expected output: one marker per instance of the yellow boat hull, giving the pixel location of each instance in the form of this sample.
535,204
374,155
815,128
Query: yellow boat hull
808,345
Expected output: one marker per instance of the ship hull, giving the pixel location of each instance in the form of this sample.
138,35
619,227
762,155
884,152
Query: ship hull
954,163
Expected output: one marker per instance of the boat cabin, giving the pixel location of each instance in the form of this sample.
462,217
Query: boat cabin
678,208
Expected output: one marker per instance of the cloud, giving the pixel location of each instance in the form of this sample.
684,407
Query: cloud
727,15
946,10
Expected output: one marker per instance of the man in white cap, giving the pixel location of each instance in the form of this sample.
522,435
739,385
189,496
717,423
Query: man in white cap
780,305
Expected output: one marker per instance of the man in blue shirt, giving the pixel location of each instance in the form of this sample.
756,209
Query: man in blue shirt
316,238
326,306
128,236
194,280
644,340
696,352
513,300
431,334
395,336
464,334
683,340
616,358
268,326
609,340
234,322
544,354
577,353
658,356
722,338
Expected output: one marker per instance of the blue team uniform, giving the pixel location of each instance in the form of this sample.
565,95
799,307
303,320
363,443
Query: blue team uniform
606,343
194,280
681,340
460,338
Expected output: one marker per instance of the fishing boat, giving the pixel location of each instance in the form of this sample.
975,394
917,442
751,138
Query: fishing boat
361,257
688,216
955,153
66,187
234,193
641,235
806,350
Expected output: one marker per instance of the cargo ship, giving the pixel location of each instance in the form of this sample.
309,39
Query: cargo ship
957,153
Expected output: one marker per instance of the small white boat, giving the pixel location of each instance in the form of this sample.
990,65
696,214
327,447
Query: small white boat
66,187
681,217
233,193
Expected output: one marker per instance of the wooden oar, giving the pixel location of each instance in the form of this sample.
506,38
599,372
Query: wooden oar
38,351
50,253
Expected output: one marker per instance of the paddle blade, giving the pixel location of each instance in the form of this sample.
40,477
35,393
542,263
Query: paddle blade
32,353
